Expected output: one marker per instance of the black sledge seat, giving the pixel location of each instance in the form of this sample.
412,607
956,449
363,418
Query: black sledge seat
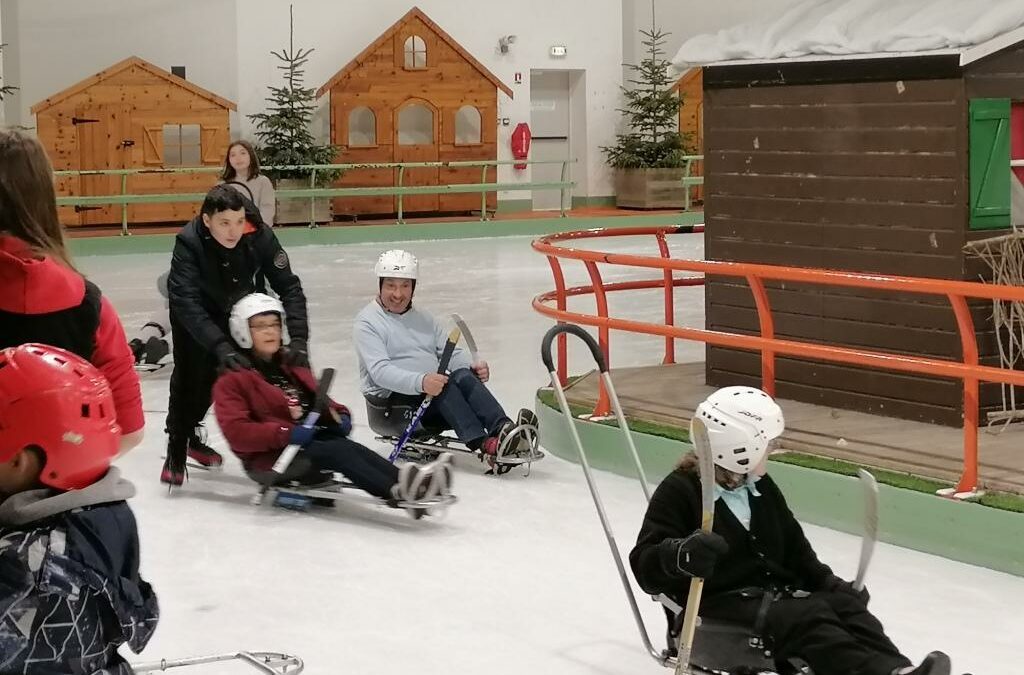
388,418
727,647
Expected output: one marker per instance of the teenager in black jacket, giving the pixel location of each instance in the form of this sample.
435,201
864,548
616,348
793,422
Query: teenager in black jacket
217,259
759,569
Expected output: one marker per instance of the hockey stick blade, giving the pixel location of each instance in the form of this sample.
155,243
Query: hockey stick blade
702,447
460,323
442,367
867,544
319,402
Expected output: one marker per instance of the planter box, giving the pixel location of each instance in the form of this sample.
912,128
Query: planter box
650,188
290,211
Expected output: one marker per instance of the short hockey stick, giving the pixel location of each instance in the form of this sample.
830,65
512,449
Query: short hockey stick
442,367
867,544
284,460
701,446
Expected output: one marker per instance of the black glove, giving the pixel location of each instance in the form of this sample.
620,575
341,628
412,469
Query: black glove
296,353
694,556
228,358
834,584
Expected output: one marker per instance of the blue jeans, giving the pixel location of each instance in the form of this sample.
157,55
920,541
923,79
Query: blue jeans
466,406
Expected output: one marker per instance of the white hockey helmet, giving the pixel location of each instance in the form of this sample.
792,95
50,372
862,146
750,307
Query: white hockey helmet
741,422
397,264
252,305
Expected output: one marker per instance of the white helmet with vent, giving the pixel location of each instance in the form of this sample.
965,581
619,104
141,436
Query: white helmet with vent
252,305
397,264
741,422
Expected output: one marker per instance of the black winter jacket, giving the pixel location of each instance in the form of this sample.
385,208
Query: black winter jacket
774,553
70,590
206,279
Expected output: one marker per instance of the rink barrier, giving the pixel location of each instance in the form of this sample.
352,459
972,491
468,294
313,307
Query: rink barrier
399,190
968,370
984,536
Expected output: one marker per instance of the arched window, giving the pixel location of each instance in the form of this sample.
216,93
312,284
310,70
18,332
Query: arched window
362,127
415,125
415,52
467,126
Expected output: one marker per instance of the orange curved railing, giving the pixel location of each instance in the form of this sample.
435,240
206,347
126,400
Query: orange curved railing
968,370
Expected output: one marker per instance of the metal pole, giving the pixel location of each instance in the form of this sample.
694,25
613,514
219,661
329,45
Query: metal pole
124,207
401,176
483,195
312,200
561,190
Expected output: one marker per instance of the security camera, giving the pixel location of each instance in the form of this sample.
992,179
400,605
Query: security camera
505,41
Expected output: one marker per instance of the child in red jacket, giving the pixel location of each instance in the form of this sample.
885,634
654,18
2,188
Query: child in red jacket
260,412
43,298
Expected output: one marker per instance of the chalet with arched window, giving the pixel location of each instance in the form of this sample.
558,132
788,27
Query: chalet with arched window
414,95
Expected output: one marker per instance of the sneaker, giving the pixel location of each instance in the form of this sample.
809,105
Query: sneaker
172,476
412,482
199,451
442,472
527,417
528,435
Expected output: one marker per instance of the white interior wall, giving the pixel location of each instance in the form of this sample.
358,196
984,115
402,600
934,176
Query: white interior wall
225,46
57,43
590,29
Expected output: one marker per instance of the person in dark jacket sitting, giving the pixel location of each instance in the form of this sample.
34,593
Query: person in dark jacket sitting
217,259
759,570
70,590
260,411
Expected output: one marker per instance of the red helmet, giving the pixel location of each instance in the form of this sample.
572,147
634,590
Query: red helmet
60,403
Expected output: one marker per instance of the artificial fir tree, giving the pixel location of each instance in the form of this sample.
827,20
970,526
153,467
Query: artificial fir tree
283,130
652,114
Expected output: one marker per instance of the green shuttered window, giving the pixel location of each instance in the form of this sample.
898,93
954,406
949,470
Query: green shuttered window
989,163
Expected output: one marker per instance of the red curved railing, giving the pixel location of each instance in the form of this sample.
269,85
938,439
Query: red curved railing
968,370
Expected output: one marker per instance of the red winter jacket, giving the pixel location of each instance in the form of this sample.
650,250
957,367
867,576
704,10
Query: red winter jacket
40,294
253,414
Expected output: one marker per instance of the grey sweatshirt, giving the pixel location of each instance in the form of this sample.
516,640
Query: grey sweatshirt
397,350
32,505
262,195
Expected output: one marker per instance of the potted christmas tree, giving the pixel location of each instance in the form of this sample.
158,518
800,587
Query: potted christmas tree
285,138
649,158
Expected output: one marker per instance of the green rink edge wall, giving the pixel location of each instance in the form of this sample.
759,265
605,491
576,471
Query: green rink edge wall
341,233
960,531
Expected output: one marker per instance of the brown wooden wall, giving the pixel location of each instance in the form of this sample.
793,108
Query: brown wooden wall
381,83
861,176
130,105
691,120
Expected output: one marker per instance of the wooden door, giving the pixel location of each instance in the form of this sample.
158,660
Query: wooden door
102,131
415,140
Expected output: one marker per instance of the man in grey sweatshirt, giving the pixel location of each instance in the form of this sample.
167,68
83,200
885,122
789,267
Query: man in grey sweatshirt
399,348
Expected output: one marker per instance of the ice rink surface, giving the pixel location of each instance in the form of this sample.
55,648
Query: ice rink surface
517,579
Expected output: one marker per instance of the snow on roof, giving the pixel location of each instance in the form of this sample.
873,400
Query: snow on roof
816,30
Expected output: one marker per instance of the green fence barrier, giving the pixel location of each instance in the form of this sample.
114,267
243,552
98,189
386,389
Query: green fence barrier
312,193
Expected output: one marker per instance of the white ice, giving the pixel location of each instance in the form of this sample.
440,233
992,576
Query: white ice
518,578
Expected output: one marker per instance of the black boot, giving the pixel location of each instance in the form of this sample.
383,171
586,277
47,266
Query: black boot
199,451
936,663
173,473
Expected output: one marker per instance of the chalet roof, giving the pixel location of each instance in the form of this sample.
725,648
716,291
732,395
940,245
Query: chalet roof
838,30
124,65
416,13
